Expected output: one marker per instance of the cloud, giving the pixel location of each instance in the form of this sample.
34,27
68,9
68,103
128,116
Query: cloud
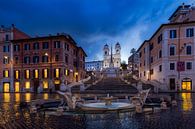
92,23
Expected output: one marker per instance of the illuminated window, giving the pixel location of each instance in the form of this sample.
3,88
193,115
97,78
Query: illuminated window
66,72
6,60
57,82
16,74
45,84
36,73
45,73
27,85
27,72
17,86
57,73
6,73
6,87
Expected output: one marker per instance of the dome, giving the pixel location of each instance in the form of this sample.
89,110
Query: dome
117,45
106,46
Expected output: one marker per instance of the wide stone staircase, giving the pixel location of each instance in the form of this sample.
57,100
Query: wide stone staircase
111,85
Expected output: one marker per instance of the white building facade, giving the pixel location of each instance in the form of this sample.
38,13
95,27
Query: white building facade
108,55
94,66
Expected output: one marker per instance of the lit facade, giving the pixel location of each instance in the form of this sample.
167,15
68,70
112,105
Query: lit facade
168,57
6,56
43,64
94,66
116,56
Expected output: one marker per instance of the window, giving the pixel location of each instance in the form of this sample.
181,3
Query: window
36,73
66,72
56,44
144,73
5,73
5,60
151,59
189,65
172,50
26,46
16,60
45,45
27,74
188,50
140,54
75,63
67,47
16,48
75,52
36,46
172,66
35,59
16,74
45,73
159,38
151,71
56,57
160,54
160,68
189,32
66,58
45,84
27,84
173,34
6,37
56,73
6,48
44,58
151,46
27,60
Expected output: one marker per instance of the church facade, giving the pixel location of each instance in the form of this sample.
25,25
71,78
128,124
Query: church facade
111,58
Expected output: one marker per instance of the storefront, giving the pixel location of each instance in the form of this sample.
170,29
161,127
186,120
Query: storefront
6,87
187,84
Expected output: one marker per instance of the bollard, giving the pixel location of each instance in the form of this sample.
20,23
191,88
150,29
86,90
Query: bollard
174,103
163,105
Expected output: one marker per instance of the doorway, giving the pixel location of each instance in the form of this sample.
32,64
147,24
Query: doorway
17,86
36,85
6,87
57,84
172,83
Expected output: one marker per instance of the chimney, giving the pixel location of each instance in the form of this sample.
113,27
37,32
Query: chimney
2,26
58,34
13,25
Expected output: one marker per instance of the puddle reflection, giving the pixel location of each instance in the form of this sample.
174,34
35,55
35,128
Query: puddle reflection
6,97
187,101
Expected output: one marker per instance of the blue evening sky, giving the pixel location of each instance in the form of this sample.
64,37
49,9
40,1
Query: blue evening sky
92,23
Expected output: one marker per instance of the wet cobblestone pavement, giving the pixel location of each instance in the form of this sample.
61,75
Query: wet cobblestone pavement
11,117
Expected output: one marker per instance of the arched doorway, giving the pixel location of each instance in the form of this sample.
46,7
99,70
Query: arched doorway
186,84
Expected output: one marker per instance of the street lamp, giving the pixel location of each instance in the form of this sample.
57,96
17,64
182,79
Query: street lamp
46,54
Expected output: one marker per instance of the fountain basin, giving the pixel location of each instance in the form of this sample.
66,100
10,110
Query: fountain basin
100,106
